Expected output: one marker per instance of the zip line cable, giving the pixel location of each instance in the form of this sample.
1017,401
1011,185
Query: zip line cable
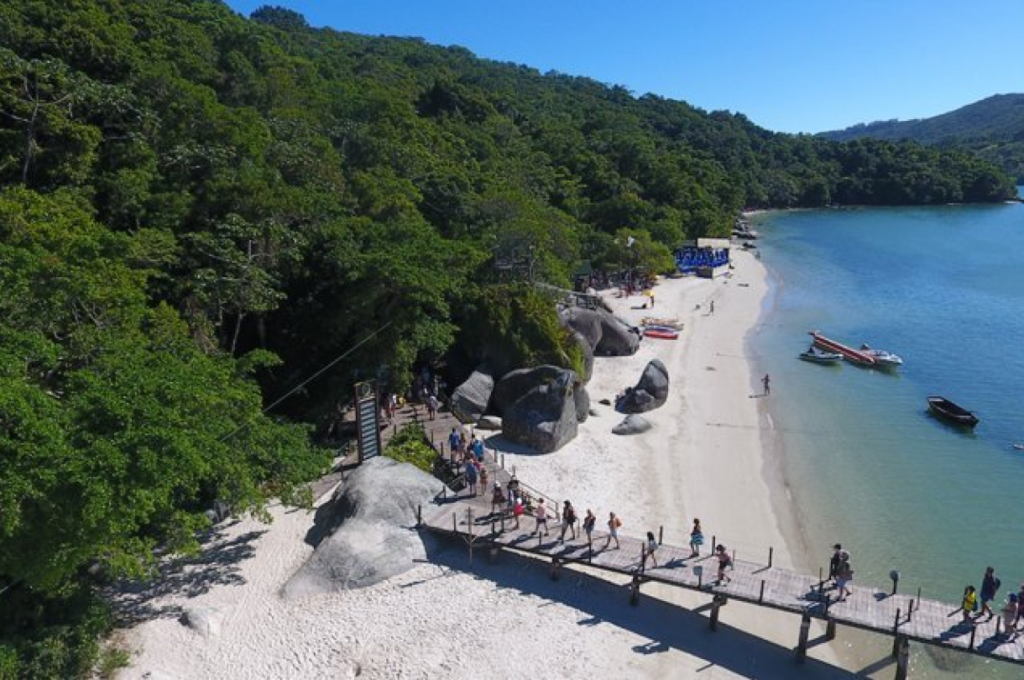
311,378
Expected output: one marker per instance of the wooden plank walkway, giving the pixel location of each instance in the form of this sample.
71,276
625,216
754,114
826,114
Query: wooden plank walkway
901,616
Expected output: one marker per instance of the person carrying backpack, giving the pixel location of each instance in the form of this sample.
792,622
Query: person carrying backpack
989,586
568,521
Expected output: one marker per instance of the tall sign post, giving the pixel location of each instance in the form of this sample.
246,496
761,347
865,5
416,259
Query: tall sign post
367,420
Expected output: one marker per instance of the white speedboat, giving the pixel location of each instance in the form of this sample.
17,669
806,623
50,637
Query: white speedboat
882,358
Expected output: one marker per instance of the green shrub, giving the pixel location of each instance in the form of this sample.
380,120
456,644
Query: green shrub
8,663
410,445
111,660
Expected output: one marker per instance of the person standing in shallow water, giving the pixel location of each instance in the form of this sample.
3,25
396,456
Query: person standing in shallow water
767,382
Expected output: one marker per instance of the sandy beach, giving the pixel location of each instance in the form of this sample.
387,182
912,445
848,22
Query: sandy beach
709,455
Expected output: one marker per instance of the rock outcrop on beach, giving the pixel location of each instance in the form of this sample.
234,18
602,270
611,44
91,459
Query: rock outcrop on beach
370,520
650,392
469,401
607,335
516,384
489,423
545,418
632,424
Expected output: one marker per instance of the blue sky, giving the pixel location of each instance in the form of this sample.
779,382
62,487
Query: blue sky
788,65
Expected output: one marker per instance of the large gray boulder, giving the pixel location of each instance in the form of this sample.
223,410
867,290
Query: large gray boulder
373,515
545,418
515,384
632,424
608,335
469,401
650,392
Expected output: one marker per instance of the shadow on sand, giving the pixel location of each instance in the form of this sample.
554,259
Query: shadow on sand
218,564
666,626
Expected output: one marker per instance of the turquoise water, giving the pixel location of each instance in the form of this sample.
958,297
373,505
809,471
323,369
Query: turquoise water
943,287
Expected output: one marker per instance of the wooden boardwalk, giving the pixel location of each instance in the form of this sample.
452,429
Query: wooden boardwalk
903,617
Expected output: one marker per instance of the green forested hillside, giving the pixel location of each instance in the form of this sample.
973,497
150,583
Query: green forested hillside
198,210
992,128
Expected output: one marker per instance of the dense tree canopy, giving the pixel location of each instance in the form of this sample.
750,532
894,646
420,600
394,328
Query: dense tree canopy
198,210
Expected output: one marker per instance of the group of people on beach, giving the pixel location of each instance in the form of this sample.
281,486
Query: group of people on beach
977,604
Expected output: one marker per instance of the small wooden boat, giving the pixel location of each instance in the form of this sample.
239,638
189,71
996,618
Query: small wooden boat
662,332
954,413
669,323
817,356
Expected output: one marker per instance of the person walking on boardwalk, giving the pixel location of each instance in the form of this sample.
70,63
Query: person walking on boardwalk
540,513
517,509
835,561
844,574
724,561
767,382
649,549
568,521
432,406
711,308
613,530
588,525
471,477
497,498
969,604
989,586
696,537
454,443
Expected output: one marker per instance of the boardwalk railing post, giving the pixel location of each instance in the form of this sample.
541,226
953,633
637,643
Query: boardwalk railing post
554,569
805,631
970,644
643,558
821,582
830,630
661,534
634,591
896,632
419,515
713,544
903,658
716,605
760,595
455,524
770,553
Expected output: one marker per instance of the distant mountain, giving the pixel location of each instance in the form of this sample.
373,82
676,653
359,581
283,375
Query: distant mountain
993,128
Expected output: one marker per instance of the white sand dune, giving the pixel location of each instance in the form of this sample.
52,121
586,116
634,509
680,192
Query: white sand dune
448,617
